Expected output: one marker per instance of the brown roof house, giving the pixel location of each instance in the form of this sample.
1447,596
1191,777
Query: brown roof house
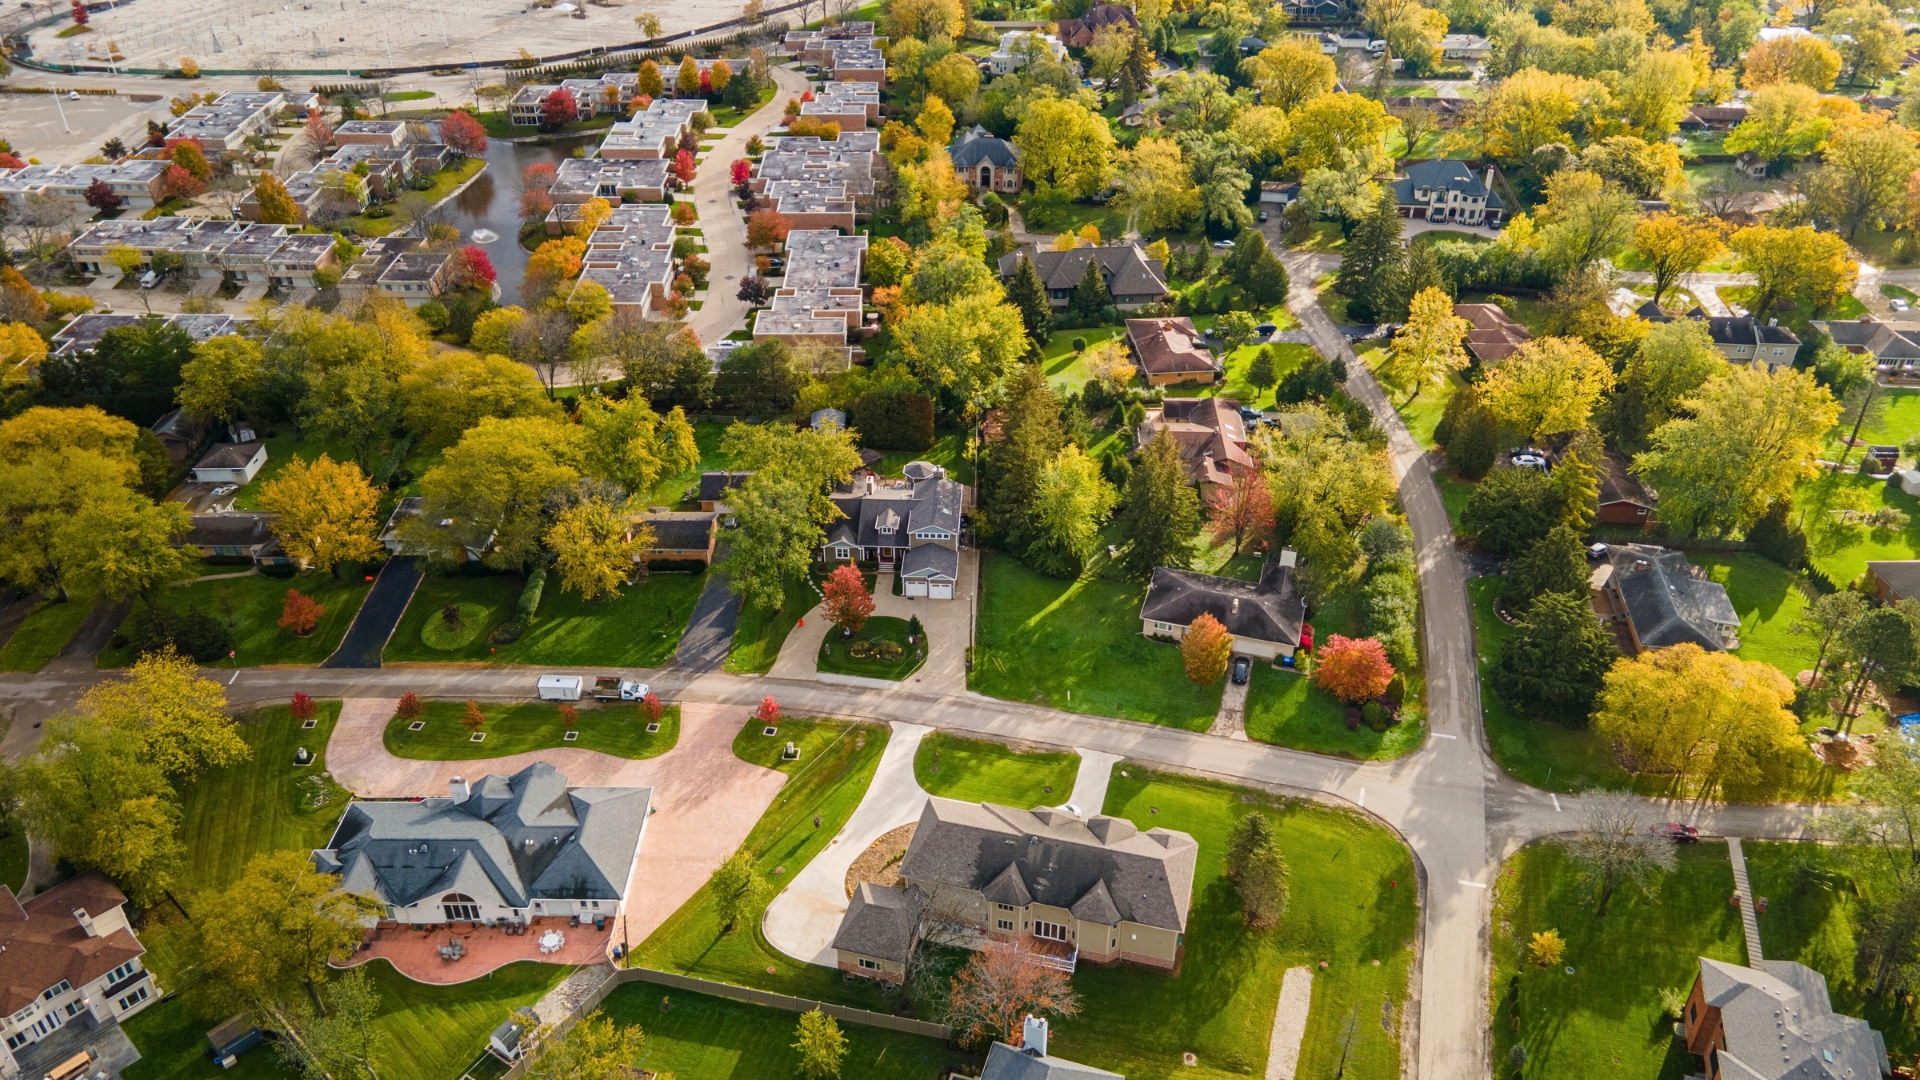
1061,886
1170,351
1263,616
1079,33
1209,431
1131,277
1494,335
70,970
1624,500
1774,1021
715,485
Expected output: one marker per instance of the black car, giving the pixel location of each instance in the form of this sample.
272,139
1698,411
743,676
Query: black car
1251,416
1242,667
1265,329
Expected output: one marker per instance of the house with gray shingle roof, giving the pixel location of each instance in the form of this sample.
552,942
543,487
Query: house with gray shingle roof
1264,616
985,162
1666,603
1131,277
1775,1022
504,849
1448,191
1031,1061
911,524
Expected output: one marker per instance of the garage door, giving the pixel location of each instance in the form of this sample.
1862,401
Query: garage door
916,588
942,592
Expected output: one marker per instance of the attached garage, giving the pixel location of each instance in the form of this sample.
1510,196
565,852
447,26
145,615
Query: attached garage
930,570
941,591
917,588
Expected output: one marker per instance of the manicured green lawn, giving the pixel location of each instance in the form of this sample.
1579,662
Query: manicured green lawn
836,652
1900,422
172,1041
1062,363
1077,645
282,446
1287,357
256,603
617,728
1421,414
726,116
949,451
1352,901
639,629
499,127
1799,317
486,601
1768,602
44,633
761,632
670,491
1900,292
1285,708
1605,1019
974,770
695,1035
1844,558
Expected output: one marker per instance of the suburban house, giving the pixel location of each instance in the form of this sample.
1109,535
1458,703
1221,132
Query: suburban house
1492,335
1894,580
986,162
70,970
1775,1021
679,535
180,434
1263,616
505,849
1030,1060
912,525
1131,277
1209,431
1624,500
417,276
405,513
1665,600
248,536
1894,344
1170,351
1741,339
715,485
1019,47
1469,47
231,463
1750,165
1714,117
1448,191
1079,33
1047,880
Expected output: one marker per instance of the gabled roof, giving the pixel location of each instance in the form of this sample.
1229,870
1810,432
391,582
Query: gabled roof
714,485
1148,876
231,455
42,941
1778,1022
681,531
1885,340
1667,604
1270,609
1900,575
930,562
914,506
1618,485
1170,345
1446,175
1006,1063
1209,433
1494,335
1126,268
982,147
1747,330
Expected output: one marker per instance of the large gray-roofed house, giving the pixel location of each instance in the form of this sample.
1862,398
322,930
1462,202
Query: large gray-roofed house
889,521
1006,1063
508,848
1894,580
1775,1021
1666,604
1131,277
1895,344
1263,616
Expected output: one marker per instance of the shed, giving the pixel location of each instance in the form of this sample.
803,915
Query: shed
231,463
232,1038
505,1040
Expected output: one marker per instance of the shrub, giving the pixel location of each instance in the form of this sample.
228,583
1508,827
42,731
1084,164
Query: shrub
1374,716
1547,948
769,711
1079,344
1396,692
651,706
474,718
509,632
1352,670
300,613
569,715
192,632
410,707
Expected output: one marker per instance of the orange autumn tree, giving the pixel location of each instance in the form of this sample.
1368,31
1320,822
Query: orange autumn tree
1206,648
474,718
300,613
410,707
1000,985
1353,670
848,604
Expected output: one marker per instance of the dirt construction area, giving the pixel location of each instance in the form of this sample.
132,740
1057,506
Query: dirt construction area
328,35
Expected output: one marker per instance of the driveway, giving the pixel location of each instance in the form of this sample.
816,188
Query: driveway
801,921
945,622
92,636
705,799
373,624
710,630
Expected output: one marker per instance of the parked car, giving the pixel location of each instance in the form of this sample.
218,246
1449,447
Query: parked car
1261,216
775,262
810,69
1598,551
1377,46
1530,461
1223,243
1251,416
1265,329
1676,832
1898,304
149,279
1242,667
614,688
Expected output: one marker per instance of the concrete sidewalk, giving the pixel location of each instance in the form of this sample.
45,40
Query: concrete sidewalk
1090,783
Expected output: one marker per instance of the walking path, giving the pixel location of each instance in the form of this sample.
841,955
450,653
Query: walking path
1290,1023
1749,921
1090,782
801,921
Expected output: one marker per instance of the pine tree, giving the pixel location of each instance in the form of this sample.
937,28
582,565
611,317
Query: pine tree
1136,74
1557,564
276,205
1029,294
1423,272
1260,374
1030,437
1091,296
1370,270
1162,512
1264,281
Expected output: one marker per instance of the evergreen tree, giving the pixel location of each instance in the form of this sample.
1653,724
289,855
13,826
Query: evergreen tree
1091,296
1162,511
1471,434
1371,270
1423,272
1265,282
1029,294
1030,437
1553,665
1557,564
1260,373
1510,511
1136,74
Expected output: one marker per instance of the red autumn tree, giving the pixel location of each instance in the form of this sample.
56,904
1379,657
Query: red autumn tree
559,108
1205,649
1000,985
538,176
476,268
464,133
9,161
848,603
651,706
706,84
180,183
768,228
1353,670
684,213
1241,511
79,12
318,129
769,710
100,196
683,167
569,715
806,97
300,613
740,171
474,718
410,707
302,707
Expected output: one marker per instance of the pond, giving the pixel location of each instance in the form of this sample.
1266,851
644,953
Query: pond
488,211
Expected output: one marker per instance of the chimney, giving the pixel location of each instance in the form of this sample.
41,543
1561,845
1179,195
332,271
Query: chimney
1033,1036
457,787
1236,605
1489,179
85,920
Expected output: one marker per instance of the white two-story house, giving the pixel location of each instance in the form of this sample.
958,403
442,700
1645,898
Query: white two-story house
69,967
1448,191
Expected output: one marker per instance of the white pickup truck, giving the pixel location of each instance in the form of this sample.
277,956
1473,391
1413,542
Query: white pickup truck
612,688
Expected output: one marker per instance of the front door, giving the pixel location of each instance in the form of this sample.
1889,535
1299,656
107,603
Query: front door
886,558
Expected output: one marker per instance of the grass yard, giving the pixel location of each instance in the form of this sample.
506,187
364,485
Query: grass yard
1286,709
499,127
836,652
172,1041
251,606
1076,645
282,446
1062,363
1605,1019
1799,317
1352,902
484,601
1287,356
695,1035
43,634
671,490
726,116
1899,292
1453,494
761,632
1422,413
616,728
1768,602
975,770
949,451
640,628
1843,554
1900,422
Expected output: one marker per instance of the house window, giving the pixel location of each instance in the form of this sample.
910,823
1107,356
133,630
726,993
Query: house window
840,553
870,965
1693,1013
56,990
1163,627
74,1007
1051,931
15,1042
1003,924
460,908
122,972
133,999
1003,907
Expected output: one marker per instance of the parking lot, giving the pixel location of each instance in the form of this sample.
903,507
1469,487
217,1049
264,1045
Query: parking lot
68,131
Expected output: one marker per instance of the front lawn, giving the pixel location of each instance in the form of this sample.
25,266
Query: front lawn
617,728
975,770
1076,645
1352,903
881,637
1800,316
696,1035
1422,413
1605,1018
639,628
43,634
1286,709
761,631
1454,494
725,116
251,607
483,600
499,126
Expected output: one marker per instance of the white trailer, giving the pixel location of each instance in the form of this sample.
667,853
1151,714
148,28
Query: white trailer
560,688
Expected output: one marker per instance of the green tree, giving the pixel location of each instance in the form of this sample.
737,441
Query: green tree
595,1049
1827,617
1553,666
358,403
1584,219
1671,363
1065,145
455,390
737,888
1161,513
1862,178
124,546
822,1047
759,378
964,348
494,486
1470,433
1029,295
1371,268
1510,511
1883,646
1258,870
100,803
1260,373
1090,296
216,384
176,719
1326,484
1032,439
1557,563
1070,502
596,549
273,933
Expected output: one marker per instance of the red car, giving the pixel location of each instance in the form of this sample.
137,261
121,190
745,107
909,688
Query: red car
1676,832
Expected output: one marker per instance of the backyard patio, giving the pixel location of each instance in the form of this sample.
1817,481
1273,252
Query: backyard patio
442,955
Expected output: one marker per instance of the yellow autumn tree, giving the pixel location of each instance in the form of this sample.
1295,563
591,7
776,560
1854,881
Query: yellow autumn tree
594,548
325,511
1430,347
1710,720
1550,385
